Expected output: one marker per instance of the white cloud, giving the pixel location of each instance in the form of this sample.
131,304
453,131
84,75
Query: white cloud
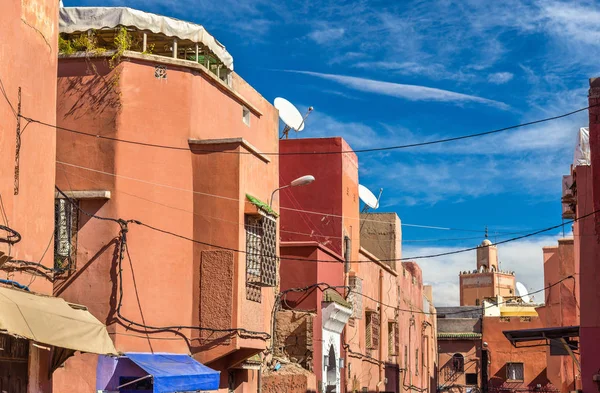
326,36
524,257
500,78
409,92
433,71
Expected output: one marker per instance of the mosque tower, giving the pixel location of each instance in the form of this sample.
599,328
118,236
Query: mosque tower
487,281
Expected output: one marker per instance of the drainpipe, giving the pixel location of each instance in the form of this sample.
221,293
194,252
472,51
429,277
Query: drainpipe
347,253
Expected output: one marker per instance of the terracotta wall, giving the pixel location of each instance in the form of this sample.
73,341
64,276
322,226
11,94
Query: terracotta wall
588,190
198,192
502,352
561,308
28,58
452,381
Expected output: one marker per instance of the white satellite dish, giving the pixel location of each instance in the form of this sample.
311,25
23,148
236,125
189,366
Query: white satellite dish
522,291
368,197
290,115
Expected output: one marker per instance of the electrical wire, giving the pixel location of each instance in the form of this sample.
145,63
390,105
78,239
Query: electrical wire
368,150
281,207
13,236
317,260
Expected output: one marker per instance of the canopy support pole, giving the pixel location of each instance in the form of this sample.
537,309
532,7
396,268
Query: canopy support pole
145,43
134,381
570,351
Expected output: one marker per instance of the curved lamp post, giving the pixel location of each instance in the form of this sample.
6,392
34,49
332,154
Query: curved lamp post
301,181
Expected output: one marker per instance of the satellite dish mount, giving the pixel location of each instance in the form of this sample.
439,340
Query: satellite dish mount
290,116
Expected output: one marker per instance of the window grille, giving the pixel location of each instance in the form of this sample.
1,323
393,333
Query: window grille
261,255
372,330
514,371
66,217
417,361
355,296
505,319
393,339
525,319
458,363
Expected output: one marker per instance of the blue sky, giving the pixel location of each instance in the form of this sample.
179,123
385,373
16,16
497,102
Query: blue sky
381,73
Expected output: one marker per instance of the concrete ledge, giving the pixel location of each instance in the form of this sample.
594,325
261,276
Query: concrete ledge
226,141
97,194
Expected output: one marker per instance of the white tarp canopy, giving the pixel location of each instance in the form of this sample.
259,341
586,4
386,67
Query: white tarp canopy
52,321
582,148
80,19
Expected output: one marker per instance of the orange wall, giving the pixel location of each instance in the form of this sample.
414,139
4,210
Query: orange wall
198,192
28,53
455,382
28,57
561,307
501,352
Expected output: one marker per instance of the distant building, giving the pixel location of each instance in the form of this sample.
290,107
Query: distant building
487,280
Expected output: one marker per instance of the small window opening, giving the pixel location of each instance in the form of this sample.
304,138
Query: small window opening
246,116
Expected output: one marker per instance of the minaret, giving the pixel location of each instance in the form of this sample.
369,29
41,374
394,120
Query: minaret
487,281
487,255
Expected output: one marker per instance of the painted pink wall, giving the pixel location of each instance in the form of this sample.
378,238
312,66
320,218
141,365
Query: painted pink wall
198,192
28,60
561,307
502,352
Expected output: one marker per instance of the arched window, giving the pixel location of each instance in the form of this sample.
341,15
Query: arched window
458,363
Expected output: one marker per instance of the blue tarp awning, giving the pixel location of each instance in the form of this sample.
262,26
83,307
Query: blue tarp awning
176,372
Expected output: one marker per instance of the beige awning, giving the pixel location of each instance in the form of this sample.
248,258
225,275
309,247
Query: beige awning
52,321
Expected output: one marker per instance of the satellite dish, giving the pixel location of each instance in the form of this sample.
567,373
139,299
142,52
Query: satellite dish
522,291
368,197
290,115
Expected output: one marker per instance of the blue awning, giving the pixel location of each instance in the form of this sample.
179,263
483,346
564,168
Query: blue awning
176,372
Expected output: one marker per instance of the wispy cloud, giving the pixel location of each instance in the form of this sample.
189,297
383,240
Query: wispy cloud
408,92
326,36
500,78
525,258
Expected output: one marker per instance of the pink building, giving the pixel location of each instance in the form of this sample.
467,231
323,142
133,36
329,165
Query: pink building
198,274
38,331
378,334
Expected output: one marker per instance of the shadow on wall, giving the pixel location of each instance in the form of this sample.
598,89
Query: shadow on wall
99,87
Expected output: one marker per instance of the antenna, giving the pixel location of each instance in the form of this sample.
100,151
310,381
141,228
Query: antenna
522,291
290,116
368,198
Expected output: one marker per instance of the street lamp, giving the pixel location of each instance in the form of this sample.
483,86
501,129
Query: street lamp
301,181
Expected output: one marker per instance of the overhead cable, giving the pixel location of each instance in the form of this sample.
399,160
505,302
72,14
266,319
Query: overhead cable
120,221
367,150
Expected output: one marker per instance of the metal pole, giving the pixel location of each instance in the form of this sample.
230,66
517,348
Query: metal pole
134,381
174,48
273,194
197,52
145,43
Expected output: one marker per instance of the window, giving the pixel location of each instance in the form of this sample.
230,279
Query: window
514,371
246,116
393,339
66,217
355,296
505,319
525,319
261,254
372,330
458,363
477,302
471,379
160,72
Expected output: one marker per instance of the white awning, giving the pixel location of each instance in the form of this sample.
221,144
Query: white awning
80,19
52,321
